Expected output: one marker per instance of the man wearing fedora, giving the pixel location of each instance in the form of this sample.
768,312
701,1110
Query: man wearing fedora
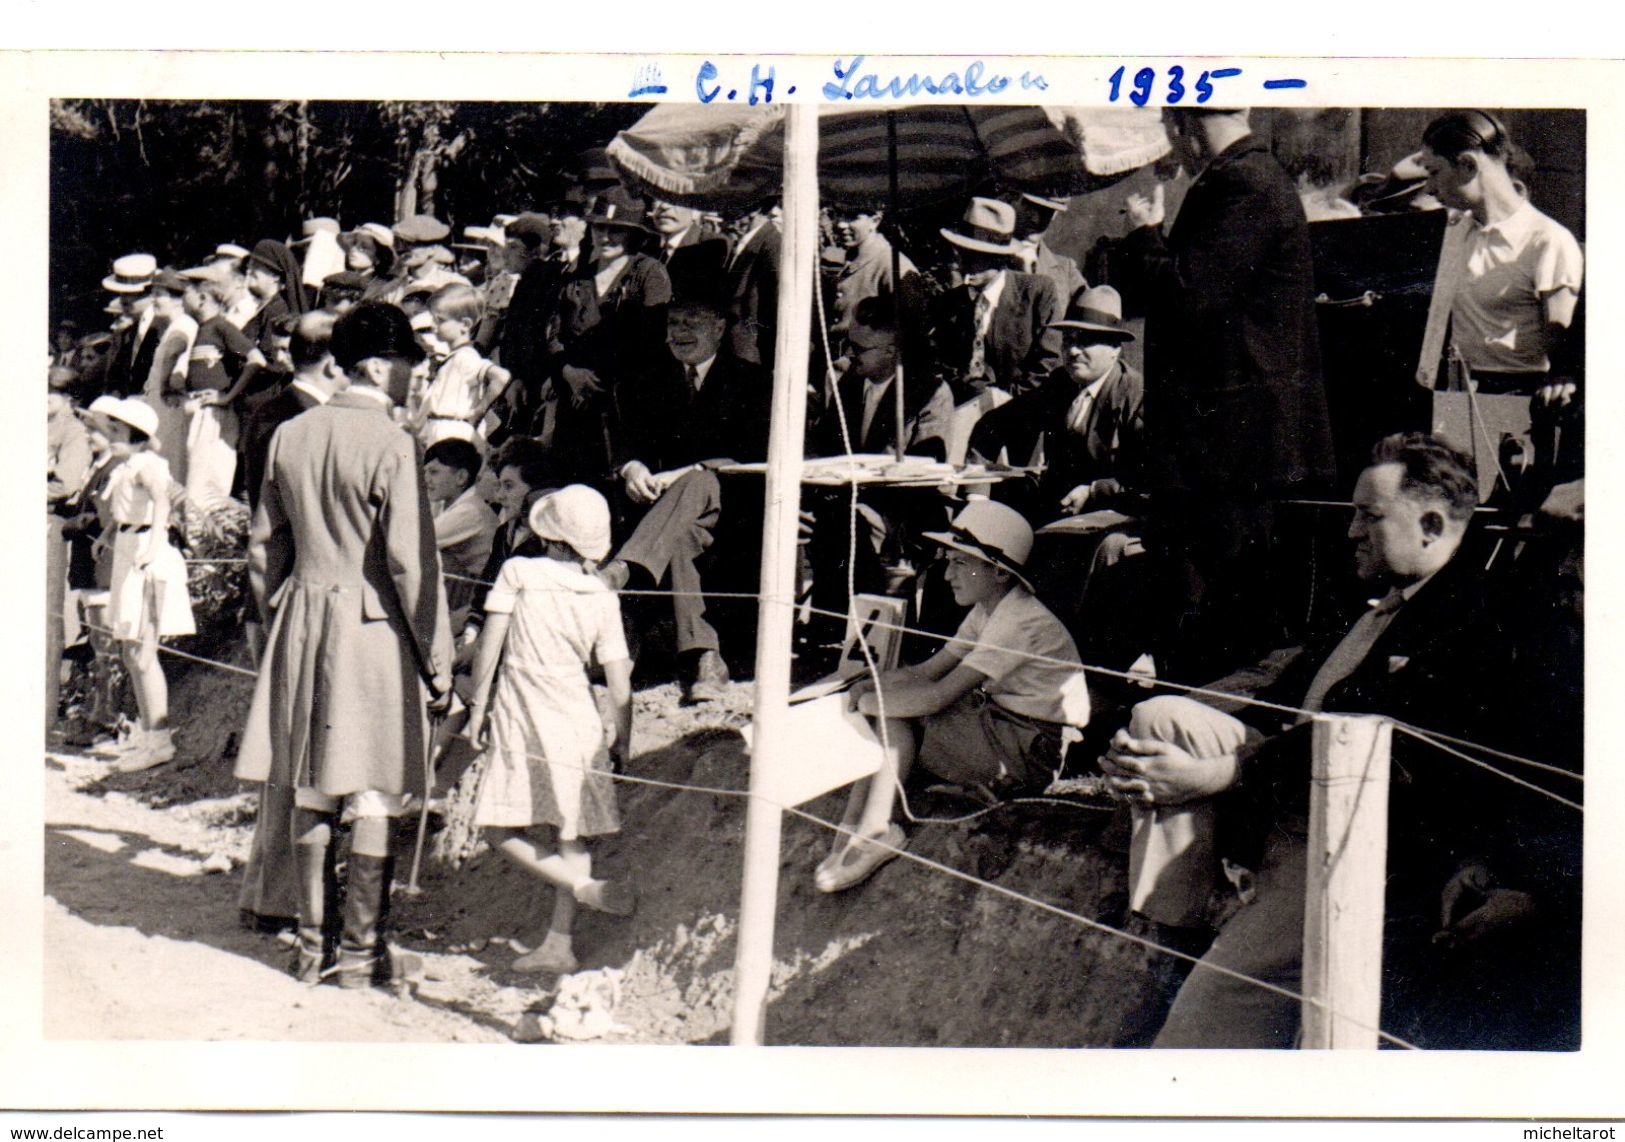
1084,427
987,712
995,330
1235,403
1083,430
343,567
1034,215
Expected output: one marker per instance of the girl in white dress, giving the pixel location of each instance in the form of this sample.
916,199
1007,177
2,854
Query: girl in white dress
147,598
548,618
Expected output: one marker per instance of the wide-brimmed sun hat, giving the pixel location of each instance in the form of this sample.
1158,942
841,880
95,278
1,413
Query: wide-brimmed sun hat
575,515
136,413
994,533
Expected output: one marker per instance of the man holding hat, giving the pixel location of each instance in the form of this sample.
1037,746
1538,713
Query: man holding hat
996,330
1034,215
987,712
343,566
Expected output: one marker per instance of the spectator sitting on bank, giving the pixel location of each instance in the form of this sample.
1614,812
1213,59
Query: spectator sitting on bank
464,524
987,712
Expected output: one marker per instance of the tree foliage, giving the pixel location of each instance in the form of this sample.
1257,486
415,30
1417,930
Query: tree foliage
176,178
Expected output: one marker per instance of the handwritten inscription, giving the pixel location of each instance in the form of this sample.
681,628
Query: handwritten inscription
856,79
853,83
1176,86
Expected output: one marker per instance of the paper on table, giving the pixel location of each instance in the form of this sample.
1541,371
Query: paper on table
828,745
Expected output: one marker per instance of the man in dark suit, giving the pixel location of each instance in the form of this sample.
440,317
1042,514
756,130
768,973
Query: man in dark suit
676,423
1085,425
1427,652
753,286
1234,399
890,519
315,379
996,330
689,248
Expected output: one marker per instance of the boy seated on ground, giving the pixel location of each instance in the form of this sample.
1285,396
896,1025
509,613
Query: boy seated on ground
464,524
985,712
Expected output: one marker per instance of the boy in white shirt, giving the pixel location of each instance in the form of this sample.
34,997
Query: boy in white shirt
988,709
466,385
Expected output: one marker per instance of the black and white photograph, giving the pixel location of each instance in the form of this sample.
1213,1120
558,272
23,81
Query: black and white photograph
983,559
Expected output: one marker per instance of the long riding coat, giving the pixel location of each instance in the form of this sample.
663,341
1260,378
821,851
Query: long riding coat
343,564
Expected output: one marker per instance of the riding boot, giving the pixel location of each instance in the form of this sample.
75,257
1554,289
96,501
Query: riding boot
318,892
366,896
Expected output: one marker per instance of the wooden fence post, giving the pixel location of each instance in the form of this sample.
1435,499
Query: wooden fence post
1347,873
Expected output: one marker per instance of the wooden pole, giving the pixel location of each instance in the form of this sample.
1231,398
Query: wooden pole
758,904
1343,892
896,278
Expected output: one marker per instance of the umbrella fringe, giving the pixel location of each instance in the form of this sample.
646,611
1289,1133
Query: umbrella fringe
1129,160
647,171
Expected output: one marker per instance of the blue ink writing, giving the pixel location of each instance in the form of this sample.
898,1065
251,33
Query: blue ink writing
1029,81
762,83
1144,82
759,90
974,81
1276,84
707,72
646,81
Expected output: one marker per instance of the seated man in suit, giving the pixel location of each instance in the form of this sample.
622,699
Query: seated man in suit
1084,427
889,519
699,408
1083,430
1428,652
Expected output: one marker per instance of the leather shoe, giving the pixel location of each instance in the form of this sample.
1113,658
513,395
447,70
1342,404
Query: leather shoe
710,677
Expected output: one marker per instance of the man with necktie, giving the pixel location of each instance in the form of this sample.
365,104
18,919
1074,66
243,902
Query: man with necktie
1427,651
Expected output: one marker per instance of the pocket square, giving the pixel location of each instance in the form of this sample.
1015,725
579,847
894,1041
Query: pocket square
1397,662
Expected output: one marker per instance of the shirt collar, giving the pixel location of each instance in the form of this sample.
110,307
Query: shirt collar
315,392
1513,226
993,289
702,370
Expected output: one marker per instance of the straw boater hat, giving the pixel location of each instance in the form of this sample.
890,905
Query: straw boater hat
481,238
230,252
131,274
575,515
1099,308
990,227
992,532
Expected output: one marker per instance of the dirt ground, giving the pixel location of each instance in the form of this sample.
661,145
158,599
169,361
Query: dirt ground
142,874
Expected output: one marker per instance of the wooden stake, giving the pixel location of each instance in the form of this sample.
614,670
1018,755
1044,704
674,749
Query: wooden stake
1343,892
758,904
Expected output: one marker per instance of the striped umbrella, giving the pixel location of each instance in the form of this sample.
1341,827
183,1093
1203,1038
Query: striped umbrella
724,157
